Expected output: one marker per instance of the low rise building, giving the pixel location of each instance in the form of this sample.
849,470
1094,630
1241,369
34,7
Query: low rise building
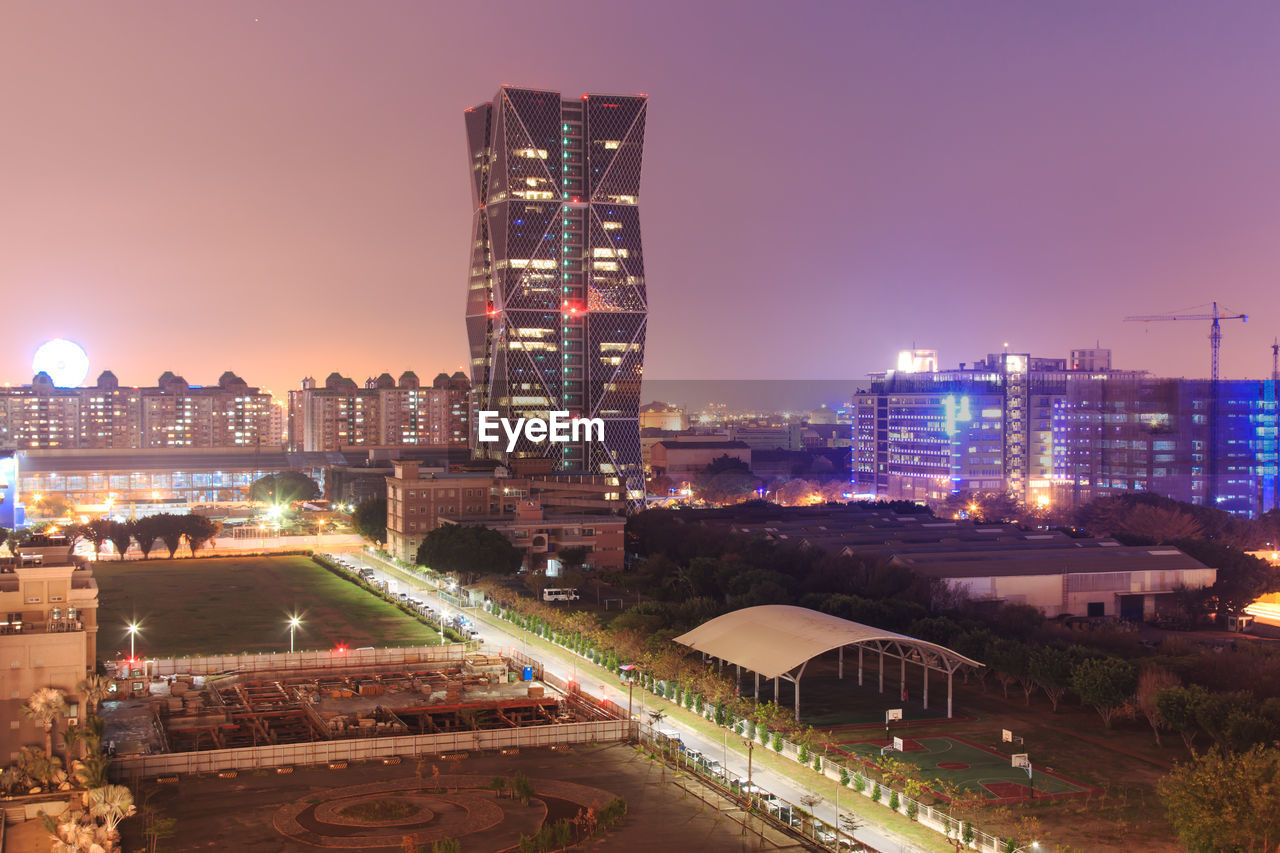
541,535
1049,570
420,499
48,634
681,461
1094,578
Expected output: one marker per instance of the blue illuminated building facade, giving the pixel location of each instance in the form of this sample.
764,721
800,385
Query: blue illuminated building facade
1065,431
10,515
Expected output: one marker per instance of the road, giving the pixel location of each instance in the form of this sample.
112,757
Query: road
564,664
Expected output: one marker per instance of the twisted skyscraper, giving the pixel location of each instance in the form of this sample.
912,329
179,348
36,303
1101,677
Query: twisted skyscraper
556,306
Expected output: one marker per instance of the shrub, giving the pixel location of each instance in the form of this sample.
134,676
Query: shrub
913,809
966,833
817,763
844,776
777,742
894,802
803,755
875,793
859,783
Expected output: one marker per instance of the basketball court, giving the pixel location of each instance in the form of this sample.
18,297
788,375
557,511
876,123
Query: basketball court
970,766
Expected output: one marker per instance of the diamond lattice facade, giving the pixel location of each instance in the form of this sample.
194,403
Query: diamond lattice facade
556,307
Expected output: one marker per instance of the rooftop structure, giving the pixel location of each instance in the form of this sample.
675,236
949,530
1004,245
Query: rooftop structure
777,641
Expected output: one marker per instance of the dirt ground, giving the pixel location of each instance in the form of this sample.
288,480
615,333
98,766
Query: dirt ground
252,811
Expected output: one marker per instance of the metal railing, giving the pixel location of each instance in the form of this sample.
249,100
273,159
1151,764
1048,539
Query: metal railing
313,660
370,749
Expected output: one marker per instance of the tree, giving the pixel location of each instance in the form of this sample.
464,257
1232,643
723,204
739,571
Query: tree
1009,659
198,530
1224,802
468,551
1151,681
1104,683
370,519
121,536
111,804
169,529
94,688
91,771
730,486
45,707
572,559
97,531
1050,668
984,507
52,506
1178,706
284,487
146,531
1242,579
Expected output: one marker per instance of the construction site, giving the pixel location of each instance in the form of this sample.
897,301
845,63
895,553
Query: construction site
192,713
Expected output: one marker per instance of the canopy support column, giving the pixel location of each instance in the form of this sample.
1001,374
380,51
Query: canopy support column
757,685
925,667
902,675
882,669
949,677
859,666
841,663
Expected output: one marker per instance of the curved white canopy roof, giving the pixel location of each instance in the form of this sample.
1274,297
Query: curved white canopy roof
774,639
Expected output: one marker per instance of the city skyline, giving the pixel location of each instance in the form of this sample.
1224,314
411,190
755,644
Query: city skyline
1031,173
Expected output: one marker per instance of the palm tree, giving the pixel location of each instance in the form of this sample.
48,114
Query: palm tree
11,779
111,804
70,737
91,771
37,768
44,707
94,688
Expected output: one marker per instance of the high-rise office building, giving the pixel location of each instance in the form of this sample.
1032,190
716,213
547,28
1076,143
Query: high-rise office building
1063,432
556,308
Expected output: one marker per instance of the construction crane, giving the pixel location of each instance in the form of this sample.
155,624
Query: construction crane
1215,344
1215,330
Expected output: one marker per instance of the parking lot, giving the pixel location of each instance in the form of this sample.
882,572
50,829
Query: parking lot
458,622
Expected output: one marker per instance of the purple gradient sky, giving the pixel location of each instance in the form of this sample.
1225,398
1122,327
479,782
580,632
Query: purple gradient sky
280,188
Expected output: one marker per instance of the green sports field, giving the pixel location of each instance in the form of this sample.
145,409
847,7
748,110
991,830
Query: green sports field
970,767
229,605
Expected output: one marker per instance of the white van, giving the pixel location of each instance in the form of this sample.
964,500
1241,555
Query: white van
560,595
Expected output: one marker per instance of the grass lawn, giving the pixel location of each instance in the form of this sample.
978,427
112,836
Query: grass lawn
228,605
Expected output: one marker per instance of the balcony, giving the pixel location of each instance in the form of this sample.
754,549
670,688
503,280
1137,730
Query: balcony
50,626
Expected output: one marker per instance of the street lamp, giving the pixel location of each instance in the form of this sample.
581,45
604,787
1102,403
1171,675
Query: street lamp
132,628
294,622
